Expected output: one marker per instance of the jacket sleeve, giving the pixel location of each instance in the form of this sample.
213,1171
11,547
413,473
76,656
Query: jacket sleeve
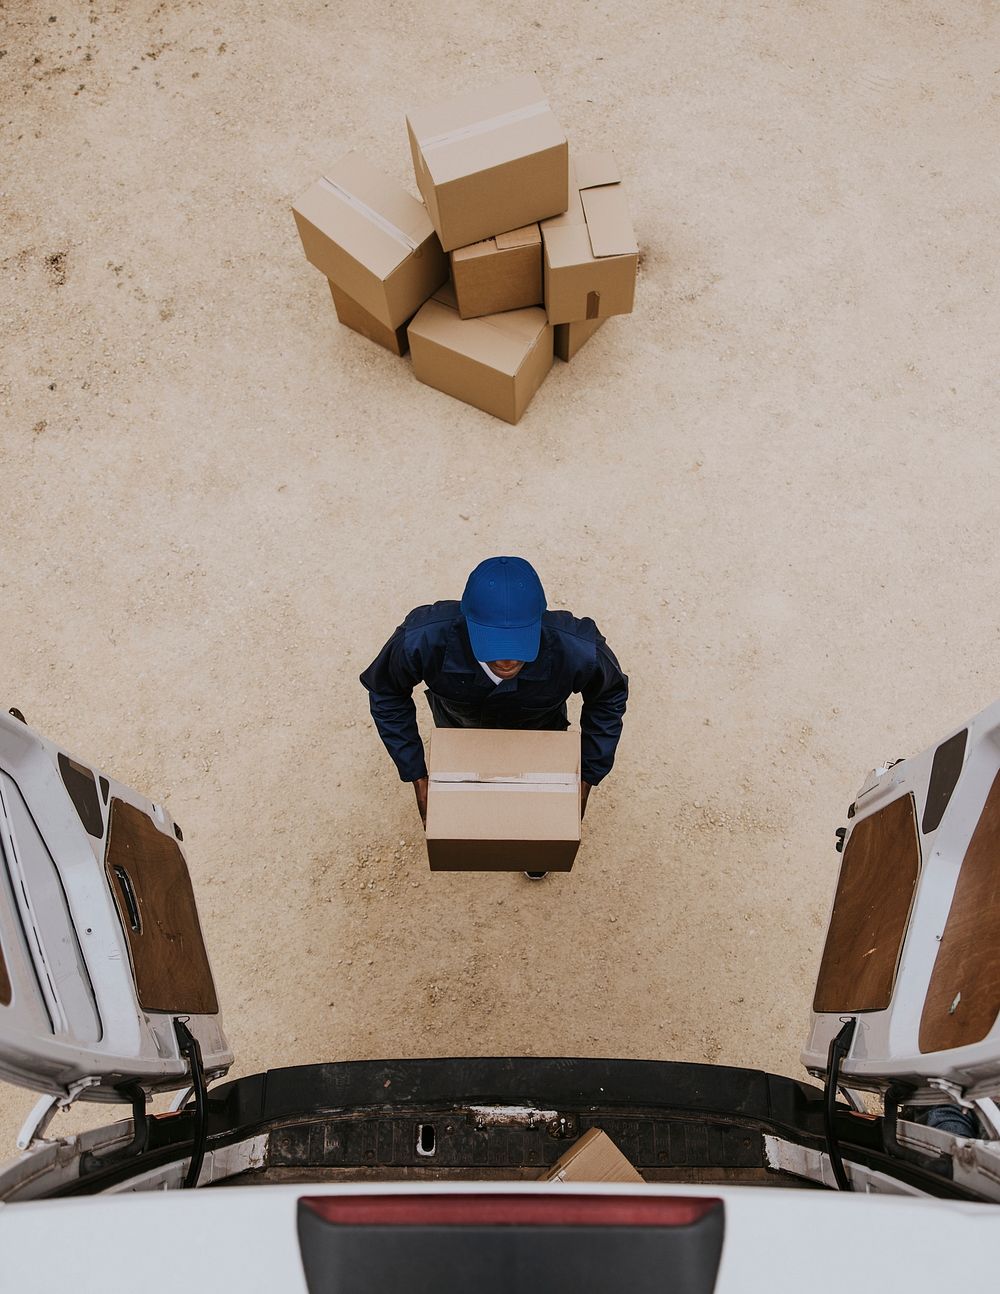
605,694
390,680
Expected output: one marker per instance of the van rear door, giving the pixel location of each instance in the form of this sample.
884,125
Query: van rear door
101,949
912,949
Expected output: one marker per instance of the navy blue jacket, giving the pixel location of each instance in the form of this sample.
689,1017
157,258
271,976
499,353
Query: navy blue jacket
432,646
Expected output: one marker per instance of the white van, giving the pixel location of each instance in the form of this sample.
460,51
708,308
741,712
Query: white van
387,1176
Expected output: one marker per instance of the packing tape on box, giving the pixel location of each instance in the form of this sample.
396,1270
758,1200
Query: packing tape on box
522,788
369,213
517,779
483,127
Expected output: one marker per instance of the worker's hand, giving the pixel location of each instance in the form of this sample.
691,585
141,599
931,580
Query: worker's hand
420,791
585,790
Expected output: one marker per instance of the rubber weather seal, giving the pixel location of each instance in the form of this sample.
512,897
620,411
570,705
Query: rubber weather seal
839,1047
191,1048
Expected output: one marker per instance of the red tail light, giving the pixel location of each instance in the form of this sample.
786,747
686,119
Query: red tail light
510,1210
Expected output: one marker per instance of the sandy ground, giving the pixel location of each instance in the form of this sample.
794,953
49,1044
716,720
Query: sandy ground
774,487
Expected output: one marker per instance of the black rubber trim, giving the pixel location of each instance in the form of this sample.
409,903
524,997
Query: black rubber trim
773,1104
840,1046
191,1048
81,785
550,1083
946,769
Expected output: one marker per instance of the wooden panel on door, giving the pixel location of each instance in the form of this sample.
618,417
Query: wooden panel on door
5,994
963,997
871,911
149,879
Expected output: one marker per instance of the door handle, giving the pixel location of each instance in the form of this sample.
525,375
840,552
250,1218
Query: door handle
128,894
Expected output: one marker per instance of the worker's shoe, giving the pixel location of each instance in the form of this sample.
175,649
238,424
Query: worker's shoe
536,876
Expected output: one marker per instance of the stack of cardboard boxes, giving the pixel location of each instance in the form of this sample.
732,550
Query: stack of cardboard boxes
518,252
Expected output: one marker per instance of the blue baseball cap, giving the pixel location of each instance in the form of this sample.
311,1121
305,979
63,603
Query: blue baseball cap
503,604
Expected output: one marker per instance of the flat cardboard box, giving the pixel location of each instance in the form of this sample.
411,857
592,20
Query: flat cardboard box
372,239
356,317
495,363
591,256
490,160
594,1158
501,273
501,800
569,337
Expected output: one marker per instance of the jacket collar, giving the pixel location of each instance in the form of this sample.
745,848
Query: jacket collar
541,666
459,657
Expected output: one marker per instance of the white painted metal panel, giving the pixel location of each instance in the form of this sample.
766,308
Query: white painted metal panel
73,1024
886,1044
245,1238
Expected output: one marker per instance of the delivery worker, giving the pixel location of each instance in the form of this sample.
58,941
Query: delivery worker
497,659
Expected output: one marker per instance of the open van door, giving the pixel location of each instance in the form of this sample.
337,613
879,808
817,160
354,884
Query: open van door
106,992
910,974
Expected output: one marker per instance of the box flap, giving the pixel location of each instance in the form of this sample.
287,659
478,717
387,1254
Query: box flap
594,169
597,199
445,295
567,245
529,236
573,215
502,752
608,221
484,248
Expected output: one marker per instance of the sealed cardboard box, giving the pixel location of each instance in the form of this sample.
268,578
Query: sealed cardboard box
356,317
372,239
569,337
500,800
495,363
591,256
488,161
594,1158
497,274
